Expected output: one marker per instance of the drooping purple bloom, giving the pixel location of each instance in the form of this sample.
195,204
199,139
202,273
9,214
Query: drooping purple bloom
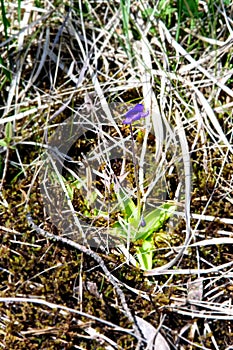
134,114
143,222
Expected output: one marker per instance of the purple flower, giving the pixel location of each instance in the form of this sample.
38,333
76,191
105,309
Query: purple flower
142,223
134,114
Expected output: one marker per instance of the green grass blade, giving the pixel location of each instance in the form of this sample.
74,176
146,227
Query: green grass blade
125,9
19,11
6,23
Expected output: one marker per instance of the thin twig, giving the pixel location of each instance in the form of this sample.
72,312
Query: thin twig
101,263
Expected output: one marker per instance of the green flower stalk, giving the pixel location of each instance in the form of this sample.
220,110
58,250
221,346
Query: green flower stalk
134,114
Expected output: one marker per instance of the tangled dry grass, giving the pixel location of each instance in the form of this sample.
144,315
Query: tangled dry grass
85,61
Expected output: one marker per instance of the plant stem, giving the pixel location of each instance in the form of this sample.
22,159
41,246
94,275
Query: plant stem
135,162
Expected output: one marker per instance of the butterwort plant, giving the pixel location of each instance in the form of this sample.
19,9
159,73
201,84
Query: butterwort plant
143,229
136,225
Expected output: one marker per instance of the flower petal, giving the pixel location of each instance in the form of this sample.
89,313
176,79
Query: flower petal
136,109
134,114
132,118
